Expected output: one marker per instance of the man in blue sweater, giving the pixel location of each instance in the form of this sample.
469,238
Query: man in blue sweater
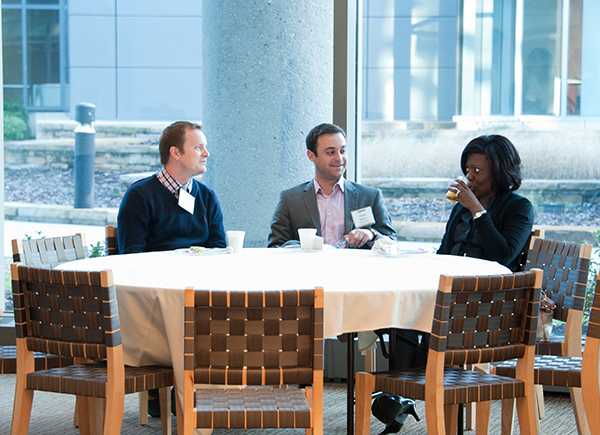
171,209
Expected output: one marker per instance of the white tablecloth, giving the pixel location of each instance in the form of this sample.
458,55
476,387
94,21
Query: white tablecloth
363,290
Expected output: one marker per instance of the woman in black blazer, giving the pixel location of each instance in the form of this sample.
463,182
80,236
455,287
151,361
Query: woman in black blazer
489,221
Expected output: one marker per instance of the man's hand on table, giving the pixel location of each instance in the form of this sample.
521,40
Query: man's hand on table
358,237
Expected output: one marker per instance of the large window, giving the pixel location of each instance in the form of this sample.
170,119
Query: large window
437,73
35,54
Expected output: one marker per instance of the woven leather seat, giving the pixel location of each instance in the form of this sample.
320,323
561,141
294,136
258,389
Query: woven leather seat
252,407
43,361
476,319
551,370
269,342
90,379
460,386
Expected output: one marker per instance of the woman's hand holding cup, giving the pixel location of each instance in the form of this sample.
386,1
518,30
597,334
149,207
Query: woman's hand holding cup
461,192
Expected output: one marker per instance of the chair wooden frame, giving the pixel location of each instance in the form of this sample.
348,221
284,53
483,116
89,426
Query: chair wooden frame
110,240
86,326
245,373
569,309
441,405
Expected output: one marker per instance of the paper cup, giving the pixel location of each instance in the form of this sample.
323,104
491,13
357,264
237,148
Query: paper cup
307,236
235,240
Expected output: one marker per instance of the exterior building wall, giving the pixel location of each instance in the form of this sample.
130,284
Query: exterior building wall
409,65
143,60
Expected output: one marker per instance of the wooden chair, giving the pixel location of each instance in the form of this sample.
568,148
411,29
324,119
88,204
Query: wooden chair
476,320
574,371
43,252
110,240
566,268
271,342
112,248
74,315
469,409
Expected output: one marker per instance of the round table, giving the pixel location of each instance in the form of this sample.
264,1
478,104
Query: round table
363,290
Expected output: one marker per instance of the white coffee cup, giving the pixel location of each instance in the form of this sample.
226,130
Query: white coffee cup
317,243
235,240
307,236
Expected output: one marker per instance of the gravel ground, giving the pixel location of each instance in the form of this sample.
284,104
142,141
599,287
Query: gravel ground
53,186
438,210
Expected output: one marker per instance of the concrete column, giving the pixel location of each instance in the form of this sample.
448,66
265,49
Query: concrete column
2,271
267,81
590,67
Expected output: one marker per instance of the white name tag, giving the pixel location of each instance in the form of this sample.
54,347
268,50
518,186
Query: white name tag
186,201
363,217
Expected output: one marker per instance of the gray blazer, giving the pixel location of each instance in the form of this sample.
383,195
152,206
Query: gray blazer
297,208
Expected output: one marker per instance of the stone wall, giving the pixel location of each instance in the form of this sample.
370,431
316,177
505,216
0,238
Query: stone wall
111,154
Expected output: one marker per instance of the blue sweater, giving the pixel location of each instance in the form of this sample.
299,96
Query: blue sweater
151,220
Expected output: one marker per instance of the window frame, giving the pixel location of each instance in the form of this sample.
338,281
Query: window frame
23,7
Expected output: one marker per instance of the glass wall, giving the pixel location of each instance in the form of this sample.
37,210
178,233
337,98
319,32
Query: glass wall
541,56
35,54
438,73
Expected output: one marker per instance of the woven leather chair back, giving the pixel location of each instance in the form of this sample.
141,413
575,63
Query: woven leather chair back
537,233
110,240
486,318
594,323
48,252
566,267
254,337
70,314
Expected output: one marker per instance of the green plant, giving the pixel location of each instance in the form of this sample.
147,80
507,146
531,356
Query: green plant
96,249
591,284
15,122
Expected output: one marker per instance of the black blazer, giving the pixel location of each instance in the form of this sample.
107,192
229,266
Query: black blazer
503,231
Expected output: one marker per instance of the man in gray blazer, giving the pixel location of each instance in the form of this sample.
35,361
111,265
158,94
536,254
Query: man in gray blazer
327,202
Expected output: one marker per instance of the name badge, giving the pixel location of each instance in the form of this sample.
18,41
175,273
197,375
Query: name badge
363,217
186,201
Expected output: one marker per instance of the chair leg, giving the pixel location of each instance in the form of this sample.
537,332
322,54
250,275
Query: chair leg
113,415
579,409
451,419
143,407
96,415
164,395
22,407
483,417
365,383
539,401
528,421
370,358
76,413
179,418
470,415
507,414
83,415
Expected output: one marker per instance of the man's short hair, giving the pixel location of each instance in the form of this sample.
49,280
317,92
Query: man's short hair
313,136
174,136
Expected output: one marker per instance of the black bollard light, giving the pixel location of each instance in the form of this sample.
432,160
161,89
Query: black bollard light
85,154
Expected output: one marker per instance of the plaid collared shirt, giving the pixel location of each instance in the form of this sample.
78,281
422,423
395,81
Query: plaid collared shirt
171,183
